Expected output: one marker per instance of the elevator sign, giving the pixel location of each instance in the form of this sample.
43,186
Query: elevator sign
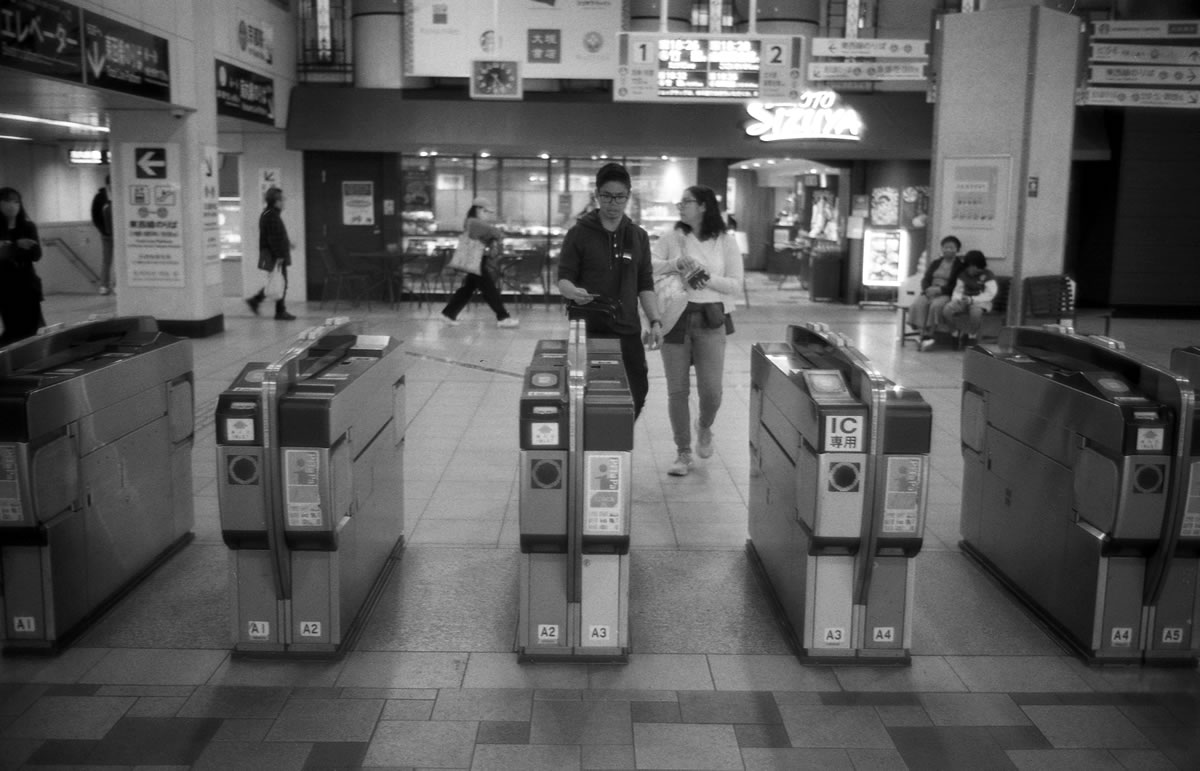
843,433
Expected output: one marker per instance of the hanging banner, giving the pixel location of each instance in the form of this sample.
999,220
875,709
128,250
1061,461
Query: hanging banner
123,58
153,222
551,38
657,67
43,37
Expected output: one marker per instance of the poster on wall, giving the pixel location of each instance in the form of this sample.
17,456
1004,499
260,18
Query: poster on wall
885,207
974,203
550,38
914,207
153,225
884,257
358,203
210,203
267,179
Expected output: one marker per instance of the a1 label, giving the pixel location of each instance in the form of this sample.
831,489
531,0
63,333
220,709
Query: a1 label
310,628
24,624
1122,636
547,633
1172,635
259,630
835,637
597,633
885,634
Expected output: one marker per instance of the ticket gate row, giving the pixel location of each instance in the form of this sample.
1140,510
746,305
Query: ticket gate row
838,486
96,434
576,478
1081,491
310,487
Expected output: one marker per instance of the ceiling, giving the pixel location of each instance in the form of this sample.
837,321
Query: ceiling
781,172
23,93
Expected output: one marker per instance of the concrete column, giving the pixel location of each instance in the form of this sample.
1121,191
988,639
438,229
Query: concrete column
377,30
167,262
1003,135
644,15
786,17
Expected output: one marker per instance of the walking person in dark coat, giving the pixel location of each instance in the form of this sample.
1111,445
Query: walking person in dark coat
274,250
20,286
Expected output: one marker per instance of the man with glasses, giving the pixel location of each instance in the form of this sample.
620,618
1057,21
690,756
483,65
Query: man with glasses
605,263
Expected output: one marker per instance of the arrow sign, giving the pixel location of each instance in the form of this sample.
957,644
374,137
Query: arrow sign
96,60
151,162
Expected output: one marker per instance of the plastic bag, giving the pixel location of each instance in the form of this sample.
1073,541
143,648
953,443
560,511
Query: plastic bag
275,286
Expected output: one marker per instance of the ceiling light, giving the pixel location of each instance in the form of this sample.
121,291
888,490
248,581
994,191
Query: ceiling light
544,156
484,154
16,139
49,122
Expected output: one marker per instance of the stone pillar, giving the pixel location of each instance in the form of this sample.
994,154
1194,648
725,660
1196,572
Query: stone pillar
1003,136
784,17
377,35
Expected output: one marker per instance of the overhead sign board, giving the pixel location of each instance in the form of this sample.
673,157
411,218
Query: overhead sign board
43,37
1144,54
123,58
879,48
1141,97
708,68
244,94
1146,29
866,71
815,115
1144,76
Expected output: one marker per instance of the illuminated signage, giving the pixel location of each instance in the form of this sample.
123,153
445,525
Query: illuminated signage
816,115
708,68
704,68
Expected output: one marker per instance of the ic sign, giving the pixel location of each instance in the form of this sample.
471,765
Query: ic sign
150,162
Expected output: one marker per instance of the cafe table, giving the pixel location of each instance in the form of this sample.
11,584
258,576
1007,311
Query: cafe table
386,266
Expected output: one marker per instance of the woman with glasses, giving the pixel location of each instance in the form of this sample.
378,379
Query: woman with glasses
707,258
605,264
479,227
20,286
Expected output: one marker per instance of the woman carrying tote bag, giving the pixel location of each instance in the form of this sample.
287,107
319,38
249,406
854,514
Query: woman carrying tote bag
478,227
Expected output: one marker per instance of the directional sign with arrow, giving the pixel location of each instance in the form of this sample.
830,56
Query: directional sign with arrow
151,162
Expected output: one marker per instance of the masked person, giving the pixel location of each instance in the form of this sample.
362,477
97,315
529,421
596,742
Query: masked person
605,264
20,286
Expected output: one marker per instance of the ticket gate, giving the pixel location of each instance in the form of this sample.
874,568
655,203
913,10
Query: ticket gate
576,477
310,486
1074,488
838,486
96,433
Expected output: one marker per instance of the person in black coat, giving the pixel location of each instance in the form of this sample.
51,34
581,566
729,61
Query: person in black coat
20,286
274,250
102,218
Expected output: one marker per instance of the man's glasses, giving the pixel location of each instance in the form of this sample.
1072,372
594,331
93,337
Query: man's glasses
686,201
611,198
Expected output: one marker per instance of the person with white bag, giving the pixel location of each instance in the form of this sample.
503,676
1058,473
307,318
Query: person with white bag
274,256
478,228
708,260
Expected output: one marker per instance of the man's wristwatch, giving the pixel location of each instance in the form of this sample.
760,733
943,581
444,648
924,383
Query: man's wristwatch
655,321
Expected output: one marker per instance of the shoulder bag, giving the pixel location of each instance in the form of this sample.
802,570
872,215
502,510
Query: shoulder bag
468,256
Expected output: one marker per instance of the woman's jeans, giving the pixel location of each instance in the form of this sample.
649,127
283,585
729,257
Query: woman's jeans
705,350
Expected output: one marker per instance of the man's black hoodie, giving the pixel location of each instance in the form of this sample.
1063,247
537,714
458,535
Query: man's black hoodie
612,264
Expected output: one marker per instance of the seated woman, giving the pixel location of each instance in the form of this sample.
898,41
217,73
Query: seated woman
925,314
972,297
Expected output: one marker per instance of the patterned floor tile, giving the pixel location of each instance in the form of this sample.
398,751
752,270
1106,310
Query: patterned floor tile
503,732
767,759
69,717
762,735
1064,760
253,756
484,704
775,673
429,744
682,746
229,701
326,720
585,722
1087,727
972,709
728,707
949,749
500,757
607,757
654,711
154,741
821,726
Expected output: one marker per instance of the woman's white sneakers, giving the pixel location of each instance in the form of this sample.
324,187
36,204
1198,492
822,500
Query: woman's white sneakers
508,323
682,465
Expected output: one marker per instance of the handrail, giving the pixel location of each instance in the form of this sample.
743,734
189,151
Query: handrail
76,261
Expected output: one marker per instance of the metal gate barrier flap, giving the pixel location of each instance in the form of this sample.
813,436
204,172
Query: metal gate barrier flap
310,487
96,434
576,438
1076,468
838,486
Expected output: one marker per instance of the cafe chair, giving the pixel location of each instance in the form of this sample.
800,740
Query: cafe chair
421,274
525,274
345,282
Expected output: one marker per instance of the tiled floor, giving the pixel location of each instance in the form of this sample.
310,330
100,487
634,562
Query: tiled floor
711,684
